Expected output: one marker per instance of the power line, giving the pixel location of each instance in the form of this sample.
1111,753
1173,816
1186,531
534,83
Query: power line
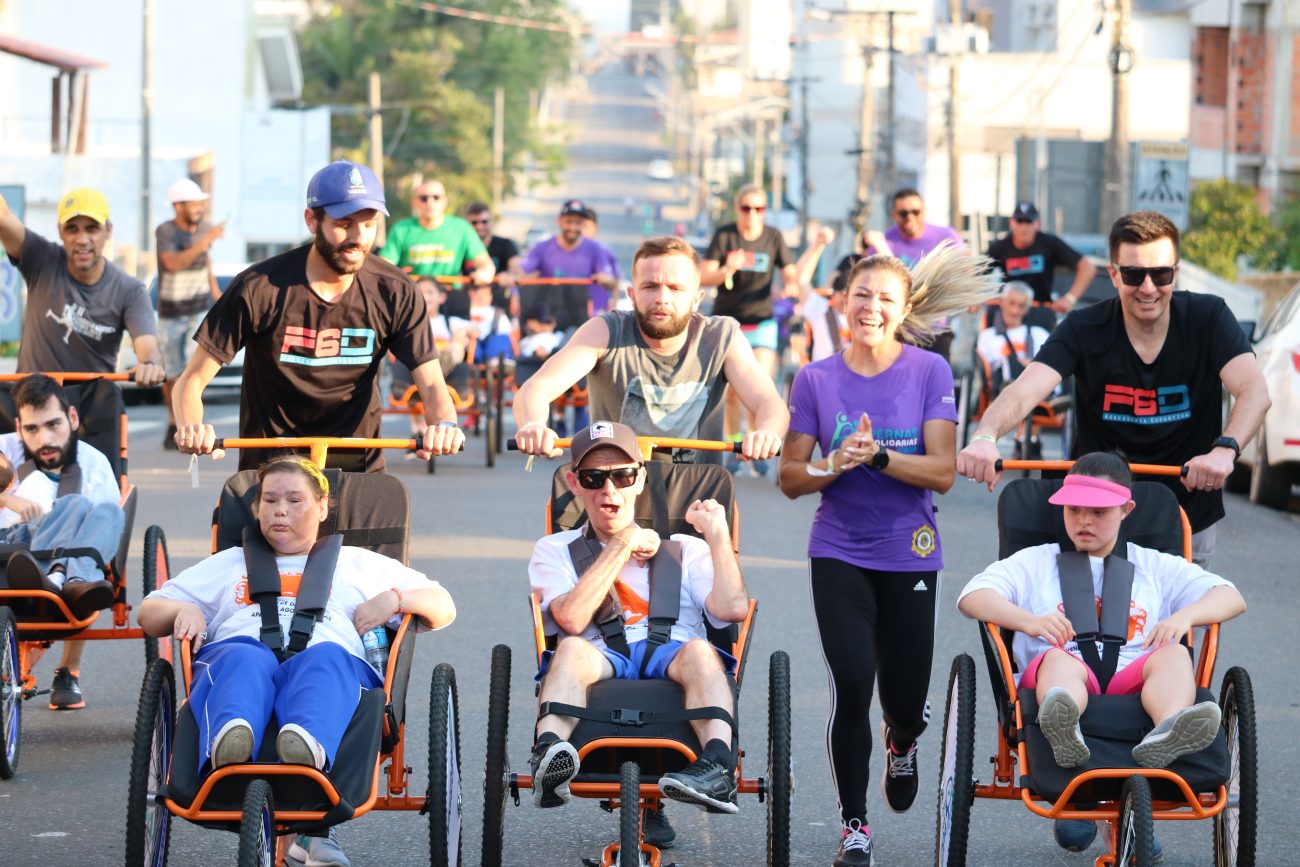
489,18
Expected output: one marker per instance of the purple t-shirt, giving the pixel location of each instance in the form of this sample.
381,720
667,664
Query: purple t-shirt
867,518
910,250
549,259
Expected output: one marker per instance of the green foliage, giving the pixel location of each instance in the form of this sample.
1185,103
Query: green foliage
1225,222
439,76
1286,250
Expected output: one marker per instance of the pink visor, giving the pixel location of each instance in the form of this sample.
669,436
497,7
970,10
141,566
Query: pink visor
1090,493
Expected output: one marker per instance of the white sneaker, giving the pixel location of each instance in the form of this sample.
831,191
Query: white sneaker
1058,718
317,851
233,744
295,746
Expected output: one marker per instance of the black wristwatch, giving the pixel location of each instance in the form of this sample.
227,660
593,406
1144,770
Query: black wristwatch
879,460
1229,443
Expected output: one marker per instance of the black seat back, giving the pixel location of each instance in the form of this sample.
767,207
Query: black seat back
100,411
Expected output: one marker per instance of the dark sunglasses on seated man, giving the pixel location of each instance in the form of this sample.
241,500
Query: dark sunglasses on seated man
594,480
1131,275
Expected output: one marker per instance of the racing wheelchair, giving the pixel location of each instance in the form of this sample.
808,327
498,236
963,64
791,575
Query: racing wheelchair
32,620
264,800
633,732
1218,783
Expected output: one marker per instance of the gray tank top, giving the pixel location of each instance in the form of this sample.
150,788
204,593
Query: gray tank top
679,395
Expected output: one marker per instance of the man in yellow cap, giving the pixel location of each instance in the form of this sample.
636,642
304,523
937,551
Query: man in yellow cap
78,303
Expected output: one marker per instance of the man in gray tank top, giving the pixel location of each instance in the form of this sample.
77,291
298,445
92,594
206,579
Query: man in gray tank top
661,369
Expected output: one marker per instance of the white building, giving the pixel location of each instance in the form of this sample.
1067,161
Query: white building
219,70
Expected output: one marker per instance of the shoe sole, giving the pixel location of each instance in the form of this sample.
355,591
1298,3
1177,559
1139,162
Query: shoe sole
884,777
74,706
558,767
677,790
1058,719
234,747
293,750
1193,730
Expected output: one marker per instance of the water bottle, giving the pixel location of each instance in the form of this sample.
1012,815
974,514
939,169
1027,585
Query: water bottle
376,644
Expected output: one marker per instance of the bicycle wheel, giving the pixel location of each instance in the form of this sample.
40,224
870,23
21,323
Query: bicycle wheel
444,769
148,823
1236,826
1135,842
956,768
156,571
495,787
629,815
257,827
11,694
780,777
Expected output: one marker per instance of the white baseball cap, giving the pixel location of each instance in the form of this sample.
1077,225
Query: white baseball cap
185,190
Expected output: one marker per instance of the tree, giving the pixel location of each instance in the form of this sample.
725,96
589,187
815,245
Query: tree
1286,251
1225,223
439,78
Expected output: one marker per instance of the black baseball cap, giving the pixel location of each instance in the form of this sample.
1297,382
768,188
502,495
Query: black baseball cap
1025,212
575,208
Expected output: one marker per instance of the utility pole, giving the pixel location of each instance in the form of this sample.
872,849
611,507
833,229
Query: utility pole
376,123
498,148
805,188
888,138
954,154
866,129
1116,198
146,121
760,141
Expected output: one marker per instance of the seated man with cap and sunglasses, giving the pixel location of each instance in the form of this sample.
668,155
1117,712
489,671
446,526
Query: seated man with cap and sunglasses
595,585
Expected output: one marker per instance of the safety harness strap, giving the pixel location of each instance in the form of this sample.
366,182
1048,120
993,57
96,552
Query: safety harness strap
313,590
1111,629
69,476
665,598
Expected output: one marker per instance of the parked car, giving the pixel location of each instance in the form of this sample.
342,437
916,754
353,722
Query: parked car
1270,463
660,170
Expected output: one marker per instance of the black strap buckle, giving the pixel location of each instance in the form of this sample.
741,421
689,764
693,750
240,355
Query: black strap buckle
623,716
273,638
300,630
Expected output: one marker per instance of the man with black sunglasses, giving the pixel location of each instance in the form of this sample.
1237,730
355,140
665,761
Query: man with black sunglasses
433,243
1149,368
504,254
1032,256
595,587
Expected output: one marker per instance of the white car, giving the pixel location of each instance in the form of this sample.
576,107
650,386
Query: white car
660,170
1273,455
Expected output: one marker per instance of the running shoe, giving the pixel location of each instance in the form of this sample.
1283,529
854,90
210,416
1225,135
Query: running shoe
656,830
855,846
1058,718
1190,730
703,783
65,691
899,782
296,746
554,765
317,851
233,744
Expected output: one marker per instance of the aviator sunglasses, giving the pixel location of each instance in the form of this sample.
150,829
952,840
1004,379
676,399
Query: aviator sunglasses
1131,275
594,480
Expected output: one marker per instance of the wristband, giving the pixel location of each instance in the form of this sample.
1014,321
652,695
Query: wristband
985,437
447,424
401,603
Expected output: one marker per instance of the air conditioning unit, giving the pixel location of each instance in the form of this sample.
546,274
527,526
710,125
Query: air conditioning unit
280,65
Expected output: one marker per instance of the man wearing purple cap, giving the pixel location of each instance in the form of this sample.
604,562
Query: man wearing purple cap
315,323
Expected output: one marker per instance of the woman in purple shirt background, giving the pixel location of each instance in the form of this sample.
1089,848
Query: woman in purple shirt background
883,414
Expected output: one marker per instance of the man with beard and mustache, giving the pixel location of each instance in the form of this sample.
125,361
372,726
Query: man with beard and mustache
661,368
315,324
37,515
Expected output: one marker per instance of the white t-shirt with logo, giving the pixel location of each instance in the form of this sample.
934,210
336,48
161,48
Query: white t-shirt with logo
219,586
1162,584
552,574
98,484
992,346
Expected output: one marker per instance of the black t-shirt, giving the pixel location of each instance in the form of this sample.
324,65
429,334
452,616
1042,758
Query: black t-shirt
1035,265
501,251
749,300
1167,412
310,365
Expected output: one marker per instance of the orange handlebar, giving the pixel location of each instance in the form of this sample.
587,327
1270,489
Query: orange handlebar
1061,466
553,281
319,446
62,376
650,444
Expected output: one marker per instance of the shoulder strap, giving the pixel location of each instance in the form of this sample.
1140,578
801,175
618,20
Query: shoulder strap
583,551
69,477
665,597
264,588
833,326
1111,629
313,592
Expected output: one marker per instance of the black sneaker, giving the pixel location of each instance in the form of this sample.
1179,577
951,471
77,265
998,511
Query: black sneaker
855,846
65,692
655,829
169,440
703,783
899,782
554,765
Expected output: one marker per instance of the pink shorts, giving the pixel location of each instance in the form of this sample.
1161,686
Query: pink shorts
1126,681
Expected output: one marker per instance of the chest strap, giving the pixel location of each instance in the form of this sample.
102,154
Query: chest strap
69,477
313,590
1111,629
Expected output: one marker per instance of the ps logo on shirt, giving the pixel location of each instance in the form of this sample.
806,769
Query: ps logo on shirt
328,346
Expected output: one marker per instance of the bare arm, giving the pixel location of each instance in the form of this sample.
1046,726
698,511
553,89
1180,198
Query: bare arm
714,273
1250,401
566,366
977,460
439,439
12,231
572,611
796,458
1084,271
728,599
935,469
149,367
484,270
192,435
158,617
791,282
432,606
991,606
758,394
179,260
1217,605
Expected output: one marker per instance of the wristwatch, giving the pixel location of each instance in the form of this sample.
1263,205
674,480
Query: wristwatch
879,460
1229,443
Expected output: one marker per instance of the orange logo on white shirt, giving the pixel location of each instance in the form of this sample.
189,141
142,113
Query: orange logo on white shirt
1137,617
635,608
289,583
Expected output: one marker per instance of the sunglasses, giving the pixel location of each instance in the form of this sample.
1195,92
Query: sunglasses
1024,220
754,209
480,222
430,197
902,212
1131,275
594,480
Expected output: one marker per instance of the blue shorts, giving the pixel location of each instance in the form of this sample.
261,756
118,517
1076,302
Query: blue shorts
630,669
761,335
176,341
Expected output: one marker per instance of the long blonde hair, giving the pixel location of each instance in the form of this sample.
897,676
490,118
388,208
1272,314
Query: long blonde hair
945,281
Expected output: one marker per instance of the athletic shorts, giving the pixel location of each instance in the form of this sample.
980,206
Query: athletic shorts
1126,681
626,668
176,341
761,335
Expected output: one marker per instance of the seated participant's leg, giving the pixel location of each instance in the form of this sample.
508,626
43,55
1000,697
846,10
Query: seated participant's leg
709,782
231,697
317,691
1062,683
572,669
1168,690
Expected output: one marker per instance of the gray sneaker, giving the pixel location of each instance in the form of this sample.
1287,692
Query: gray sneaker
554,766
1058,718
1190,730
317,851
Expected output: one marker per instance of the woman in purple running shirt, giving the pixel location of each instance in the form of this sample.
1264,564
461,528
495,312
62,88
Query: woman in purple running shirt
883,415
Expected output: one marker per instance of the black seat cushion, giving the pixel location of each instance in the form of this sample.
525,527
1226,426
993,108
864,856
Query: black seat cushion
1112,725
645,696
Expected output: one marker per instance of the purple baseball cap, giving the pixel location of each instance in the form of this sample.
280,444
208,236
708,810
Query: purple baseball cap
342,188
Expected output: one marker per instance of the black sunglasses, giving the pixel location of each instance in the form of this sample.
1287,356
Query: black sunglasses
482,222
758,209
594,480
1131,275
903,212
430,196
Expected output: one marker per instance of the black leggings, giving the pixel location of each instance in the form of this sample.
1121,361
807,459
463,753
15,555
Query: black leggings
873,625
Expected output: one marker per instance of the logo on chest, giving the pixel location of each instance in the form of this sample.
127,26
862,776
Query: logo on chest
1146,406
328,346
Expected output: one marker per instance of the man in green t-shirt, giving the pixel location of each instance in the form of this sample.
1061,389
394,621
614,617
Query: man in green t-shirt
431,243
